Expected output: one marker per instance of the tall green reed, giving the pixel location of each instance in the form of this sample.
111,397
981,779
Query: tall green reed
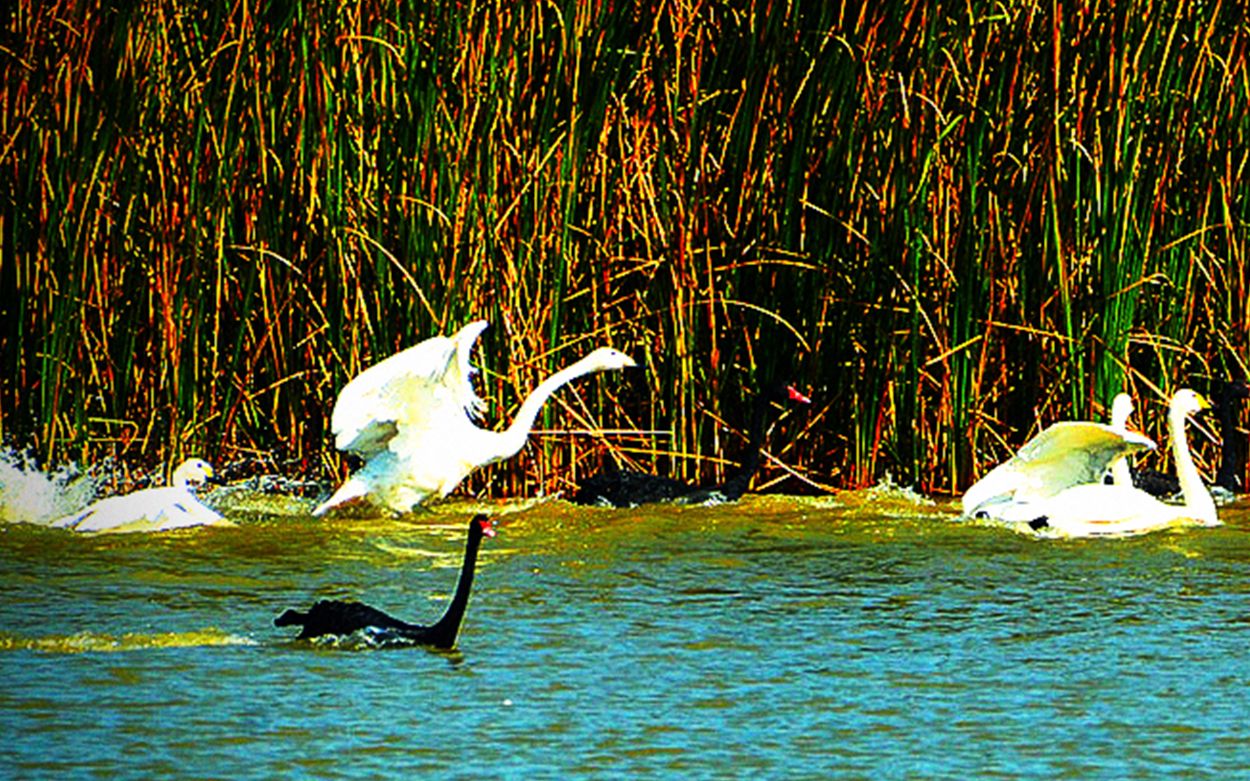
954,223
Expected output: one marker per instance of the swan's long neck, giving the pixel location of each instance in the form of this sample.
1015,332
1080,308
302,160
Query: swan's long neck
1197,499
1232,449
509,442
737,482
443,633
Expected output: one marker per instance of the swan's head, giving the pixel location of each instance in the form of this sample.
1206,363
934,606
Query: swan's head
1121,410
606,358
1231,390
1188,402
790,393
193,471
483,525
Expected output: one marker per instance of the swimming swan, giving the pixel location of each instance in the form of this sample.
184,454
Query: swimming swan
630,488
1228,399
341,619
151,509
1066,454
410,417
1097,509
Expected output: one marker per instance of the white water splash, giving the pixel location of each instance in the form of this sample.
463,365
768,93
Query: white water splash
30,495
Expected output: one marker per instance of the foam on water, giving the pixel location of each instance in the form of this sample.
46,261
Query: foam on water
30,495
85,642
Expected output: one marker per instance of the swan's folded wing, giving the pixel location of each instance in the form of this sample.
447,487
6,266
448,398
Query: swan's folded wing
426,380
1065,454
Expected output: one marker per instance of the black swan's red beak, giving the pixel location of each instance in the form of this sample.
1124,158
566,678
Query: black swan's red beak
796,396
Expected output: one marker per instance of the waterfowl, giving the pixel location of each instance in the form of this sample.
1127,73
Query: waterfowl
1228,400
410,417
1064,455
630,488
151,509
342,619
1098,509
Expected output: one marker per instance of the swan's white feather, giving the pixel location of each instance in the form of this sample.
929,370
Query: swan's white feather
411,418
423,386
151,509
1101,510
1067,453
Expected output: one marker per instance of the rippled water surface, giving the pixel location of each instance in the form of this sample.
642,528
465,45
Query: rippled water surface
860,637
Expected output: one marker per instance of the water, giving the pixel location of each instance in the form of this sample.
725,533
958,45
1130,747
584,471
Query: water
775,638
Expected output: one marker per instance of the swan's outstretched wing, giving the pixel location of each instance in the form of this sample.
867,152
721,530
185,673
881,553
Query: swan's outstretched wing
1065,454
427,381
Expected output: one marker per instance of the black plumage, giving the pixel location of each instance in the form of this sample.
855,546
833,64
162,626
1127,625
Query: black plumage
630,488
342,619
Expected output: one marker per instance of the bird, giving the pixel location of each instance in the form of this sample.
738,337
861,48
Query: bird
630,488
151,509
343,619
1067,453
1227,404
1094,508
410,417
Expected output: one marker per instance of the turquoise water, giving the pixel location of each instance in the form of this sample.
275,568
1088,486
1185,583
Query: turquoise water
865,638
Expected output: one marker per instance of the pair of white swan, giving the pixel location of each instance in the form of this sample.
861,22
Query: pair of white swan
1055,482
411,416
152,509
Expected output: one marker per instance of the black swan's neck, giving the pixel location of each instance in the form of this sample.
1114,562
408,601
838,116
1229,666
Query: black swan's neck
739,480
443,633
1233,448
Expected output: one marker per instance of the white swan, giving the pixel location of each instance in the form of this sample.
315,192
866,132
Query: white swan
1067,453
1097,509
151,509
410,417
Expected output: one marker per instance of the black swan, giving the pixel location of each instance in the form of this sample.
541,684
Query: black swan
1228,400
333,617
630,488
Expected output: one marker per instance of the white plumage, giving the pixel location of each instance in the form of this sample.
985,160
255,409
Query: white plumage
151,509
410,417
1066,454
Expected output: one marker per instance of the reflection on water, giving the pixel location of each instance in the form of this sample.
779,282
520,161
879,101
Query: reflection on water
865,635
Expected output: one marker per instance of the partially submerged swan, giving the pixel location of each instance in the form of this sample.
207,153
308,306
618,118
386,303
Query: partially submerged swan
1097,509
630,488
151,509
342,619
411,418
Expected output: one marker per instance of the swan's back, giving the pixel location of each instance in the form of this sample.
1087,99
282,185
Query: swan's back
1065,454
425,385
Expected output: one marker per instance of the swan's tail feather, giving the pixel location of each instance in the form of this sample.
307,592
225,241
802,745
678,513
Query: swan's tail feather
348,491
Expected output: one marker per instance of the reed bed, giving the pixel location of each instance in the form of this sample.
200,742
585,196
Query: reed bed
952,222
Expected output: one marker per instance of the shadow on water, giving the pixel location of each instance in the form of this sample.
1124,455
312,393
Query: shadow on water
867,634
